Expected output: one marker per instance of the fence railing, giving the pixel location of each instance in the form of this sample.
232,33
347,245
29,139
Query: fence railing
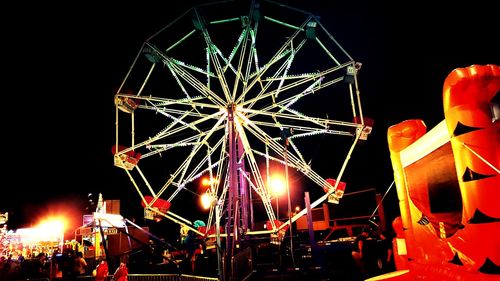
142,277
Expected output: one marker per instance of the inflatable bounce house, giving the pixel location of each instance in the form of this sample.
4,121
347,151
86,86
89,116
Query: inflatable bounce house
448,184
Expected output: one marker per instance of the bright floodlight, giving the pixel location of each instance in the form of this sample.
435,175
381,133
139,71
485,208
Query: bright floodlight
206,200
277,187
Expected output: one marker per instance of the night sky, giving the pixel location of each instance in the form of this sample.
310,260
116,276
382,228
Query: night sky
62,65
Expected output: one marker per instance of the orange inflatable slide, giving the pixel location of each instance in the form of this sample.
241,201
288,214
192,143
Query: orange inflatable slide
448,184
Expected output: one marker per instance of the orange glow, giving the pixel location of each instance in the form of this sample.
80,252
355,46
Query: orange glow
207,200
50,228
277,185
52,224
205,182
66,212
208,181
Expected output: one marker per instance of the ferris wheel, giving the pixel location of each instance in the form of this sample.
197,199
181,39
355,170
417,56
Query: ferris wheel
230,93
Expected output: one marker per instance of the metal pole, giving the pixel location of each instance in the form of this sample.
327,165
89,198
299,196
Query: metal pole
244,192
310,227
217,235
277,208
289,202
231,223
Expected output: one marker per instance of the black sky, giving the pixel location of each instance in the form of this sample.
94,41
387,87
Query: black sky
62,64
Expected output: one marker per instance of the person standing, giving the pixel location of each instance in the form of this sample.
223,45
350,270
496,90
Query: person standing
385,260
359,253
121,273
80,264
101,271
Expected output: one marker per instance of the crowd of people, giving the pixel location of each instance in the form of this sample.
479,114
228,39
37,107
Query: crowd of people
371,255
66,265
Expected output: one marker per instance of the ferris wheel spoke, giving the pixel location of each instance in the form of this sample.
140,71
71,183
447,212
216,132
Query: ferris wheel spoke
189,141
327,51
253,56
280,150
167,129
146,79
315,132
185,142
189,34
174,74
242,38
214,59
275,159
159,148
275,146
282,52
191,157
301,131
227,62
257,190
255,171
284,23
188,77
159,102
193,176
192,67
150,188
271,94
175,218
195,173
134,183
285,67
239,74
296,149
297,116
291,159
250,85
177,130
289,64
249,156
266,200
302,79
186,162
300,116
178,112
308,90
199,86
179,121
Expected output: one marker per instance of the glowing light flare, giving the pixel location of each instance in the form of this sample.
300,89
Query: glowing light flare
207,185
66,211
51,229
277,185
208,181
206,200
